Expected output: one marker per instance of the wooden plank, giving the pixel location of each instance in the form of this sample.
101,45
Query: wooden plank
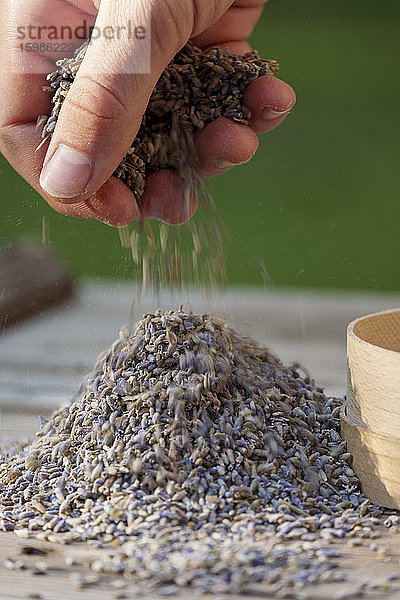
358,563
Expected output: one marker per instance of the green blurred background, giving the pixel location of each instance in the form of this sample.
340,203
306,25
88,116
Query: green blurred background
319,204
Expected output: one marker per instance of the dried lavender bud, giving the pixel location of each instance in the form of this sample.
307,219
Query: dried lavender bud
201,458
196,88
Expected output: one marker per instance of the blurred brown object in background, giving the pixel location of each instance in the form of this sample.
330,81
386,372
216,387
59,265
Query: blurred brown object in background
32,279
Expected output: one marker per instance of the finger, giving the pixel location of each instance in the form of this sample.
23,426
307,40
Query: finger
21,81
112,204
222,145
23,99
164,199
236,24
104,107
102,112
250,2
18,144
22,73
269,100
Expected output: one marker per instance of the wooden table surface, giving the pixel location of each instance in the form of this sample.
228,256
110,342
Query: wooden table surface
42,362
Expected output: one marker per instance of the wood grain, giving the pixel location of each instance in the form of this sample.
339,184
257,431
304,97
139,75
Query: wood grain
374,373
376,461
371,421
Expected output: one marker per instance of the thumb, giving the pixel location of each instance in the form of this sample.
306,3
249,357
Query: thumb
101,115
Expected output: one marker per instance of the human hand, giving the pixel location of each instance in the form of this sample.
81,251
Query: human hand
102,112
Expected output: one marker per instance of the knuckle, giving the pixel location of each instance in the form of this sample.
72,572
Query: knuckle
94,100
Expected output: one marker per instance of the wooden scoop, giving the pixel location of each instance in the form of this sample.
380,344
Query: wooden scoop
371,416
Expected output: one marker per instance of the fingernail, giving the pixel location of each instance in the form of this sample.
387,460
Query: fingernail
67,173
269,114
